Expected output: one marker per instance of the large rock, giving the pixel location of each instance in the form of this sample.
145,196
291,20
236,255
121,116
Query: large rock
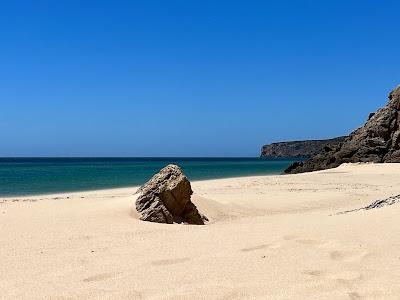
377,141
299,149
165,198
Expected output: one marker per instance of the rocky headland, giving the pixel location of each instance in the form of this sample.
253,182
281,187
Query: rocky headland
378,141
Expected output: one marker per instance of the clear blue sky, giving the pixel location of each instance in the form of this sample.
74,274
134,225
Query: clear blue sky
189,78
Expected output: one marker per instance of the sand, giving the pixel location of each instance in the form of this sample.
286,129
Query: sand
270,237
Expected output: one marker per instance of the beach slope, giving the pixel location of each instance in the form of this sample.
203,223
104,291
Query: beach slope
269,237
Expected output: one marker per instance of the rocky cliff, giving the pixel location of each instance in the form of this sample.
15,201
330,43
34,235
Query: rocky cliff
300,149
377,141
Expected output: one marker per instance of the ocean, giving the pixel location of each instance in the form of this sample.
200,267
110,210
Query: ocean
33,176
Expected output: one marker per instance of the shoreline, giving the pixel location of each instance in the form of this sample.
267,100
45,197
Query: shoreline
116,189
65,194
48,176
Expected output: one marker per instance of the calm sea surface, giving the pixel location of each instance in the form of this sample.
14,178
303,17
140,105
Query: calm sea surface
29,176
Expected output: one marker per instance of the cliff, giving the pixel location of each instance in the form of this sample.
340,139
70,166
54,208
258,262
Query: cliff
377,141
300,149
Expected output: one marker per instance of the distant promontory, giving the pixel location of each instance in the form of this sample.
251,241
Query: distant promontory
298,149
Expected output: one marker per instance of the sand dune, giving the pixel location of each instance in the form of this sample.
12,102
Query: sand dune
269,237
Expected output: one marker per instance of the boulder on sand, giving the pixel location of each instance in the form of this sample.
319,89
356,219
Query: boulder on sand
165,198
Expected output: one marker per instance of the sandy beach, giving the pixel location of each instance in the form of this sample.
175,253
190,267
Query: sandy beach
269,237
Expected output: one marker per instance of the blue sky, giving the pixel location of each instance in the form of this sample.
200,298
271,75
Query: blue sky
189,78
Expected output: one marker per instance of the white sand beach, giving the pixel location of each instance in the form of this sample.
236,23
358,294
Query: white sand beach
269,237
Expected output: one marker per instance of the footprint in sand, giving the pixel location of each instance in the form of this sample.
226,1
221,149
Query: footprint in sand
309,242
303,241
337,255
355,296
254,248
346,276
314,273
164,262
99,277
289,237
259,247
348,255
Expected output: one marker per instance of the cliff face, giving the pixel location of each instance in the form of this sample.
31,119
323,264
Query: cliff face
377,141
300,149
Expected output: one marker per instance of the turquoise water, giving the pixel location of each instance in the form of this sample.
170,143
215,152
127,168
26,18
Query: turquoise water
29,176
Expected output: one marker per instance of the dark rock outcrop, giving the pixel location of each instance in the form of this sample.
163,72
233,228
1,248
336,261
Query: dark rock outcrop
377,141
299,149
165,198
376,204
